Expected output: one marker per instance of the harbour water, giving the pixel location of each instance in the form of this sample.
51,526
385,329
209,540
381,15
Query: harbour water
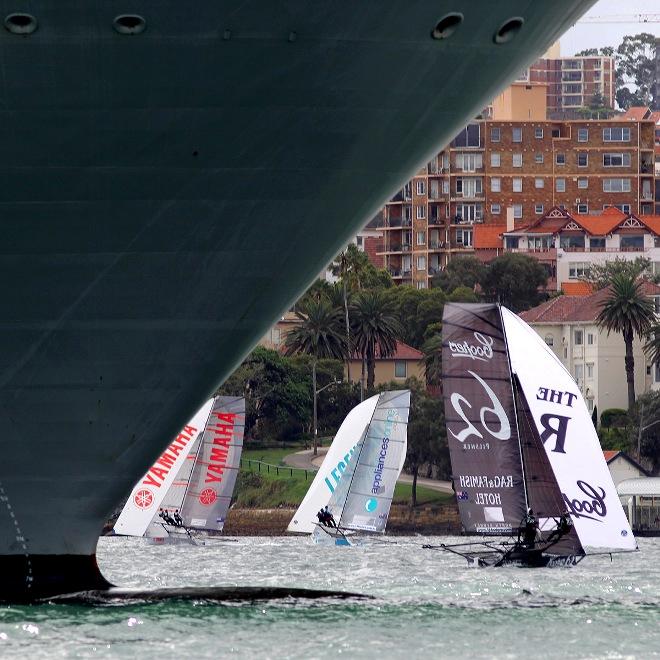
424,603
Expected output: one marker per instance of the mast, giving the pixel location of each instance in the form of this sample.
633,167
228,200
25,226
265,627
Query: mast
515,408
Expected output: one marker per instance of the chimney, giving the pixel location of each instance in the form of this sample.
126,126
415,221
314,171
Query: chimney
509,218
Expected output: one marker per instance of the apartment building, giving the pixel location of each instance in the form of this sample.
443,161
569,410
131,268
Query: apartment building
573,82
519,168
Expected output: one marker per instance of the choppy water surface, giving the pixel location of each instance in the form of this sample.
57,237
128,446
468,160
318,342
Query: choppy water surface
425,603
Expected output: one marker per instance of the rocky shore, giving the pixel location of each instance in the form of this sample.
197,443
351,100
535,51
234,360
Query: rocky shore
273,522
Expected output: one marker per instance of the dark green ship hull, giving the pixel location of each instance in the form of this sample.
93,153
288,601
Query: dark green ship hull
164,195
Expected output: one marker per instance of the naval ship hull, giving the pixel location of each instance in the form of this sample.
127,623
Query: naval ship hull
169,184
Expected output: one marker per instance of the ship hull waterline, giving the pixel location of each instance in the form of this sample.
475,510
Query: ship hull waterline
166,195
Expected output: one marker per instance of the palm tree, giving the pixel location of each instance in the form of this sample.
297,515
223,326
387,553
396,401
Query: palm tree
374,327
317,335
628,311
432,349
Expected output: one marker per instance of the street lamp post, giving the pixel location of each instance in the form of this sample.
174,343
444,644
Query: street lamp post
316,393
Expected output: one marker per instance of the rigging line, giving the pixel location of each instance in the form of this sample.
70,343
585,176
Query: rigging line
515,408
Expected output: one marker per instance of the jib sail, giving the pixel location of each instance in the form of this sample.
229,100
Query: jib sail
214,474
482,435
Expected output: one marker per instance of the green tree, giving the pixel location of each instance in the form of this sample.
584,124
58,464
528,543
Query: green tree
318,335
645,429
600,275
514,280
278,396
416,310
628,311
463,294
427,436
635,70
432,349
374,328
460,272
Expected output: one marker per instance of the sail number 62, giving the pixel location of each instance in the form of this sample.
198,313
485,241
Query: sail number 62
458,400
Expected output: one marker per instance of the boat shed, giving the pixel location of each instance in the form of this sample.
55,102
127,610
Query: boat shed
642,497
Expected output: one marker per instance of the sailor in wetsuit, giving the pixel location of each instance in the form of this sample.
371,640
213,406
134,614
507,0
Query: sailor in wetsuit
178,520
329,518
563,527
528,530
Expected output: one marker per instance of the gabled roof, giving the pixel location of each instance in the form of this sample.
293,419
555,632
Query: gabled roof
636,113
488,236
611,454
575,309
578,288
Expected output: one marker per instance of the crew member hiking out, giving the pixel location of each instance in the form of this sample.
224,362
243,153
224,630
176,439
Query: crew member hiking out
528,530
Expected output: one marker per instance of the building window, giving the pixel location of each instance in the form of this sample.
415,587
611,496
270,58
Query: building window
550,340
590,370
445,186
578,337
591,338
582,209
540,242
421,187
578,269
421,238
517,210
538,209
421,284
464,237
569,242
517,185
538,183
538,158
538,132
616,160
615,134
560,159
469,162
583,134
511,242
582,159
495,134
496,184
421,263
495,159
597,243
616,185
400,368
579,372
632,243
517,160
583,184
421,212
516,133
560,185
495,209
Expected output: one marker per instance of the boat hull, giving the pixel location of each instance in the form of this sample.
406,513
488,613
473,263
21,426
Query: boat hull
166,195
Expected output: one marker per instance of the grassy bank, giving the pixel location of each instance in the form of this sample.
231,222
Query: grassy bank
264,487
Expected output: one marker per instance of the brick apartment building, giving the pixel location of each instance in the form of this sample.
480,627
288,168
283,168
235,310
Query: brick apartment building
494,169
573,82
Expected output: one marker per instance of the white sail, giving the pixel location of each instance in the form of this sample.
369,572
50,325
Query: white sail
373,476
334,464
149,492
571,443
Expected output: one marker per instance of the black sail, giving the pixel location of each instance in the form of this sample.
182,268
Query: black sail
543,492
482,435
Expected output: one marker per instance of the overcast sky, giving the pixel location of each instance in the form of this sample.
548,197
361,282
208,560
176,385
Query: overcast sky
597,35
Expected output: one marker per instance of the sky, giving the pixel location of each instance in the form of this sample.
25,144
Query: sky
597,35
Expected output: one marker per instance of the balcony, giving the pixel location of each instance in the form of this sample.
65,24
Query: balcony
436,245
397,223
435,221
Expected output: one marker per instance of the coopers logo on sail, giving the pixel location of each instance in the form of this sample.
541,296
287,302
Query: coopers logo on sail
482,350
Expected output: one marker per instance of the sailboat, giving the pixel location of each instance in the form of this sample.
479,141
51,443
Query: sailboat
523,448
361,500
187,492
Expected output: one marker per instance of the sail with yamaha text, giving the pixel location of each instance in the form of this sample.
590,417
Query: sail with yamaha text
526,461
199,484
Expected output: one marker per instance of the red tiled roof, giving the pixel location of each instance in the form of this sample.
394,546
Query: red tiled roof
403,352
576,288
655,116
609,454
488,236
613,210
563,309
636,113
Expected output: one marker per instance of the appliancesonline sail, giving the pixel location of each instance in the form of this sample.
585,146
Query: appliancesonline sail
334,465
521,439
362,500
